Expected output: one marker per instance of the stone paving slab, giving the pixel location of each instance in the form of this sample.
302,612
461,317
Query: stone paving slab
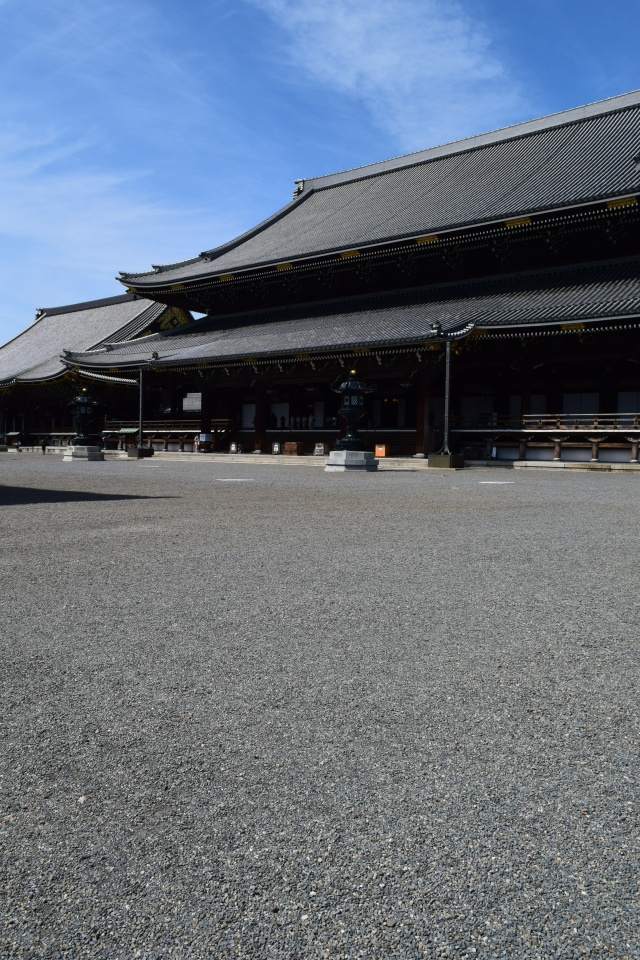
288,714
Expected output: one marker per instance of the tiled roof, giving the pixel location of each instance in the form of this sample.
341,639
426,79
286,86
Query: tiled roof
579,156
35,354
599,291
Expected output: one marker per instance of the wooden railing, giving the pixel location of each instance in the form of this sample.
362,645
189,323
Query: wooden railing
551,423
166,426
124,433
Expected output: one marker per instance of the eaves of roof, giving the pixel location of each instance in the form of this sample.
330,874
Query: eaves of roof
538,299
86,305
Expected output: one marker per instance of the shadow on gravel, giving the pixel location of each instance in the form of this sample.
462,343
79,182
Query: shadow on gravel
21,496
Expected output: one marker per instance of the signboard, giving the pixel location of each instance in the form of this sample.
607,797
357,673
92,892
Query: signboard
192,403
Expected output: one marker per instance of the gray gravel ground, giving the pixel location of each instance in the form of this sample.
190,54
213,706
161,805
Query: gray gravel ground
312,715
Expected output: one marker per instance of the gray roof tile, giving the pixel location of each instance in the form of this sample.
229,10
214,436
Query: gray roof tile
35,354
580,156
564,295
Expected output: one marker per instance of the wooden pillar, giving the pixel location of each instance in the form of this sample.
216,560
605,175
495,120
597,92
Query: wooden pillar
422,415
206,413
141,410
206,407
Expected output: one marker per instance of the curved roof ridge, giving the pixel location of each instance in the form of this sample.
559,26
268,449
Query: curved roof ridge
40,315
511,132
85,305
208,256
123,277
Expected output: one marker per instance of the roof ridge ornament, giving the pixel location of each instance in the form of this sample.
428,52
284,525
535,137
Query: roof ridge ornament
456,333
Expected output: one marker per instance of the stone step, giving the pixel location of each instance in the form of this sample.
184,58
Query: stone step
388,463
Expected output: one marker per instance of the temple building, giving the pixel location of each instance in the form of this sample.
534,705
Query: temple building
36,383
514,253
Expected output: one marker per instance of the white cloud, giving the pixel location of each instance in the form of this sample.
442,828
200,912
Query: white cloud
88,117
425,69
66,229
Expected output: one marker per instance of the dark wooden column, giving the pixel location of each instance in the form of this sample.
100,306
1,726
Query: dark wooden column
206,410
422,415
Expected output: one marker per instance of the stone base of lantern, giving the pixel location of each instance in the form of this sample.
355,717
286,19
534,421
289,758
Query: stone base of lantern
446,461
342,460
82,453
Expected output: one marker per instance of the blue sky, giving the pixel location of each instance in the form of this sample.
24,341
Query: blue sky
135,132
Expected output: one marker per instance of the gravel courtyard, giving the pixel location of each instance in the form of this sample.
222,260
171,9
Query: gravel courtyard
267,712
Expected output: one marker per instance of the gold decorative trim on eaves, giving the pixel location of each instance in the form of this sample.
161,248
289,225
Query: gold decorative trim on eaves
520,222
433,238
347,254
622,202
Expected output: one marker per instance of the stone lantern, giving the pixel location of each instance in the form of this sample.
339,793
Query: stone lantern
83,447
349,453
